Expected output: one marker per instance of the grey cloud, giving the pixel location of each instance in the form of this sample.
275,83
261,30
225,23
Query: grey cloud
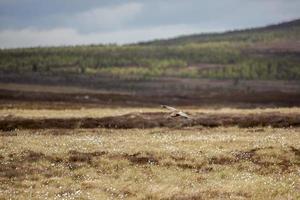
41,14
57,37
231,13
96,19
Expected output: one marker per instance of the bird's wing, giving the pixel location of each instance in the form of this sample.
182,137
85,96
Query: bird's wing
183,114
169,108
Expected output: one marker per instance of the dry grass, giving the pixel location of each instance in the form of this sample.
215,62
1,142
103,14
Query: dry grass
104,112
68,113
191,163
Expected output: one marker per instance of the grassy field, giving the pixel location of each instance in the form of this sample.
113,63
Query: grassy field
105,112
156,163
85,122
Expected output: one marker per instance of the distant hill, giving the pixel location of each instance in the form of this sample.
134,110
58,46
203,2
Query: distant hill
285,30
265,53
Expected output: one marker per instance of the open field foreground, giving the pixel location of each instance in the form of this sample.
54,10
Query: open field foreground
68,150
191,163
110,100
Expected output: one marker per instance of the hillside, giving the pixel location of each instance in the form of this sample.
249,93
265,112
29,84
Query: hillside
267,53
282,31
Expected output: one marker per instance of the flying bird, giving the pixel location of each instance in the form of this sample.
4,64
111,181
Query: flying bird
175,112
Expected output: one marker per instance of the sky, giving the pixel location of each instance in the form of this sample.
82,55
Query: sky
28,23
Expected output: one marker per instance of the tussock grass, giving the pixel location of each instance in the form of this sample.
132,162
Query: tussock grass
189,163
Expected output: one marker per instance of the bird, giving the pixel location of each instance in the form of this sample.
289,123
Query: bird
176,113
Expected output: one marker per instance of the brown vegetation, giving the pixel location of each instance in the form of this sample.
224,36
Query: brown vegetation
82,150
193,163
150,93
154,120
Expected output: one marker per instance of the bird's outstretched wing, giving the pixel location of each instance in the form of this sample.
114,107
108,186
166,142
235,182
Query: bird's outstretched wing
175,112
169,108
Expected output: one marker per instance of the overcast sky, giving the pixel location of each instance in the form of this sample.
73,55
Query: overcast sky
25,23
